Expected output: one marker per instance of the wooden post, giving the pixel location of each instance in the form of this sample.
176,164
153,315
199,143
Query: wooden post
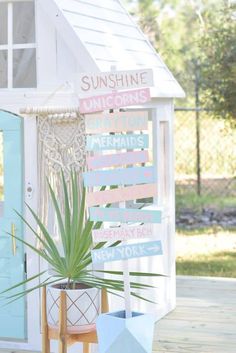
62,324
45,338
86,347
104,302
197,112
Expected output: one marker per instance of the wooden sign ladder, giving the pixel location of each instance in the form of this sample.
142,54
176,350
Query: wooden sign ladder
66,339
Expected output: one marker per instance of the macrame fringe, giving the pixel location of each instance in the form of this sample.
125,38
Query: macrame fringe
61,148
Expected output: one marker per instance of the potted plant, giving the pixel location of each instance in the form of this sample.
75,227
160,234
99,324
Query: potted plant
71,270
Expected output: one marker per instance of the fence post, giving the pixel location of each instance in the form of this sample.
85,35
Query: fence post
198,150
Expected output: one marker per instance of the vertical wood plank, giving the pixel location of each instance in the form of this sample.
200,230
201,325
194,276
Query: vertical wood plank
62,323
105,303
45,338
31,180
171,201
163,147
86,347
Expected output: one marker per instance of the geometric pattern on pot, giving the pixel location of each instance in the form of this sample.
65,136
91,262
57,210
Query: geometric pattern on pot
83,307
53,309
90,305
117,334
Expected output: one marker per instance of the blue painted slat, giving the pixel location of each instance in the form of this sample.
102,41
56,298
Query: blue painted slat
112,214
117,142
125,252
124,176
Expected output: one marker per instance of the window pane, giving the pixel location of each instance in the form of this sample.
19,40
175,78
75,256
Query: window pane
3,23
3,68
24,68
23,22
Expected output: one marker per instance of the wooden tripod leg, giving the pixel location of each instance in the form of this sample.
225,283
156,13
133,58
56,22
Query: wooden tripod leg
105,304
86,347
62,324
45,338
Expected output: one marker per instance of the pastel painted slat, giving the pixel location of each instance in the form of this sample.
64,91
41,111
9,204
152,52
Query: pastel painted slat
116,80
114,100
111,214
125,252
116,122
123,233
124,176
120,194
117,142
117,159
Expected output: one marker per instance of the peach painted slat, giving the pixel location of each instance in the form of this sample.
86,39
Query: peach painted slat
121,194
116,122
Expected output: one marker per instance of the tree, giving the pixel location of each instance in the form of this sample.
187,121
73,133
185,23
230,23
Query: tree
219,61
196,39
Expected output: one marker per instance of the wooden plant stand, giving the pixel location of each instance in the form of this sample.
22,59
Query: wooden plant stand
66,339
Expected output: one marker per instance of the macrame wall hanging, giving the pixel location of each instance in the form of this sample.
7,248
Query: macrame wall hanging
61,147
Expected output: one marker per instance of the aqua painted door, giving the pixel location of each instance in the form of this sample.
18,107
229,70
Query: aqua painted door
12,269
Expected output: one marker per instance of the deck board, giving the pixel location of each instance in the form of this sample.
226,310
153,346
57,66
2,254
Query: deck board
204,320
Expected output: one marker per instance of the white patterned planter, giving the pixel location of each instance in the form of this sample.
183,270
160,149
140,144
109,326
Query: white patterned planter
83,307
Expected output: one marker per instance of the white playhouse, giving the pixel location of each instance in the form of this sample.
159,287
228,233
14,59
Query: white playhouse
44,46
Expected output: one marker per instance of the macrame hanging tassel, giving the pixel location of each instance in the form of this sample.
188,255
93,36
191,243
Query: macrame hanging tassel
61,147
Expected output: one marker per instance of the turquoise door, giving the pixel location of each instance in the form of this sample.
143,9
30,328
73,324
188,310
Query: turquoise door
12,316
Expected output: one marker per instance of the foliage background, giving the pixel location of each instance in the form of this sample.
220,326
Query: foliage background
196,39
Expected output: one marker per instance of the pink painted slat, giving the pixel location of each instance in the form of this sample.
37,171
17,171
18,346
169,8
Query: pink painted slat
117,159
116,122
124,233
114,100
120,194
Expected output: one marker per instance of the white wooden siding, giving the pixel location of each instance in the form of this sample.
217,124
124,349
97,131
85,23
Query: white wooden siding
102,26
107,4
95,37
111,37
102,34
95,12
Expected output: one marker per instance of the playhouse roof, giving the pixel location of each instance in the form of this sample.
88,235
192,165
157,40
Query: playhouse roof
102,34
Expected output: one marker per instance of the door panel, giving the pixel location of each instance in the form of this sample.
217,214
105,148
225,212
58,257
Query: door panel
12,316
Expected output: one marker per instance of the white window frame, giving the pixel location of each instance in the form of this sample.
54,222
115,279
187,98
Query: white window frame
10,46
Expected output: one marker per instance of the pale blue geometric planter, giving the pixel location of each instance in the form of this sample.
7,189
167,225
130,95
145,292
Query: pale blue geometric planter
116,334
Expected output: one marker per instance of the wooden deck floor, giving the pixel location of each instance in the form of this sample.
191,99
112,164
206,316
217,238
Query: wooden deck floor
204,320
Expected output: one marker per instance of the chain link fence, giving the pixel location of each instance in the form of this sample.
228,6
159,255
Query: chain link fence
205,154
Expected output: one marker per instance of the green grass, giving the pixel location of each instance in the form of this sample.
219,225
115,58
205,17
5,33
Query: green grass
190,200
219,264
206,230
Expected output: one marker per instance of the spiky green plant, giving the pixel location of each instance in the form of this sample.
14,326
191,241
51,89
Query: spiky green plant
75,233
